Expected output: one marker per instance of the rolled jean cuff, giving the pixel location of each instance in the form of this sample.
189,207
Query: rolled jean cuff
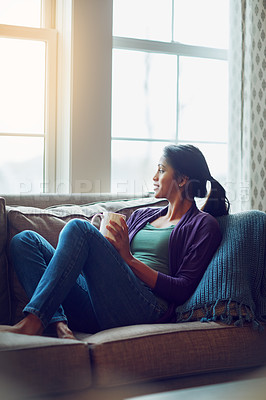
44,321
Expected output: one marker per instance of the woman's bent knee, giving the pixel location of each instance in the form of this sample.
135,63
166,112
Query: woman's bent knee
19,243
21,237
79,225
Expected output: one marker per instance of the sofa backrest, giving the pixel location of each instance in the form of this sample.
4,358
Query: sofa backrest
44,200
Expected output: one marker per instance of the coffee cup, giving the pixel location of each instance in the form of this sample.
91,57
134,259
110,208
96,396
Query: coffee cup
105,218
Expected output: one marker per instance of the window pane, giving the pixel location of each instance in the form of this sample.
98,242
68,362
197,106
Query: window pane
20,12
203,100
143,19
216,157
202,23
144,95
21,164
134,164
22,83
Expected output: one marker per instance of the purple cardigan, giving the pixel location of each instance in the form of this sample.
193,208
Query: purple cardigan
192,245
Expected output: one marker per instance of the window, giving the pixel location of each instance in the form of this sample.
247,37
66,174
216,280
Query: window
27,96
169,85
59,71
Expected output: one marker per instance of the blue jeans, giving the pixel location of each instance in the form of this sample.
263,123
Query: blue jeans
84,282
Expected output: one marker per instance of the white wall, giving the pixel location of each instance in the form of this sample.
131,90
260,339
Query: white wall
90,166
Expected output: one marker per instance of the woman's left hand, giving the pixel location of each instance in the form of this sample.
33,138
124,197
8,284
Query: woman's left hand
121,240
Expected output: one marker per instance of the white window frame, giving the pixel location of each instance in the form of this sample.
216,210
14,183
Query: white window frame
90,158
78,153
49,37
170,48
91,95
173,48
62,20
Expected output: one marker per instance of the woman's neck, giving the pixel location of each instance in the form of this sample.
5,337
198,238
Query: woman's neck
178,208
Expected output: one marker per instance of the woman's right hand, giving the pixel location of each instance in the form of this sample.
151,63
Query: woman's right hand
121,239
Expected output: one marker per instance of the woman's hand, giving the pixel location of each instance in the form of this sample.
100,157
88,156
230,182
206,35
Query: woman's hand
121,243
121,240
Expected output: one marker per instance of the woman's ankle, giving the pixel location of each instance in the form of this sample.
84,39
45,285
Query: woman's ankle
63,331
30,325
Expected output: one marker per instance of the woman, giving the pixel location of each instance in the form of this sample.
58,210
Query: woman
153,264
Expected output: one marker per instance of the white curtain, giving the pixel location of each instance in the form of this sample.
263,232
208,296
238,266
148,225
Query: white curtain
247,105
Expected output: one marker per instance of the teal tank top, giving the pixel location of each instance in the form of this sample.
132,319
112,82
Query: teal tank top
150,245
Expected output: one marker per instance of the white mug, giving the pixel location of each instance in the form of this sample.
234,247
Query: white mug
106,217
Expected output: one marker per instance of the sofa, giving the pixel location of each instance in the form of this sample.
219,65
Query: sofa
218,336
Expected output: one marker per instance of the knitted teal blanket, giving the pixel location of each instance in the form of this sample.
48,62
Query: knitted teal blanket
234,284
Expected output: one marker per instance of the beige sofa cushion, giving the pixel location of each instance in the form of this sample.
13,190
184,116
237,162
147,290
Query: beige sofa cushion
36,365
146,352
49,222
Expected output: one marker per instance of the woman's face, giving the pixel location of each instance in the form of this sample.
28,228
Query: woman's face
164,181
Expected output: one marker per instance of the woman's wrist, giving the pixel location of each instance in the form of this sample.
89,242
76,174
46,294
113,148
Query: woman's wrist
142,271
129,259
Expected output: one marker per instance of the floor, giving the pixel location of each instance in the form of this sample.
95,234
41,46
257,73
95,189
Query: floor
246,385
240,390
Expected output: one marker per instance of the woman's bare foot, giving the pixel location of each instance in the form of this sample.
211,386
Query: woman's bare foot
30,325
63,331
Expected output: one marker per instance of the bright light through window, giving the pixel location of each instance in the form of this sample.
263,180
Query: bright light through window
143,19
134,163
203,93
21,164
22,82
202,22
21,12
166,92
148,83
23,96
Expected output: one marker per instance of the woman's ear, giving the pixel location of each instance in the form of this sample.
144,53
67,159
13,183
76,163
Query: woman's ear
182,180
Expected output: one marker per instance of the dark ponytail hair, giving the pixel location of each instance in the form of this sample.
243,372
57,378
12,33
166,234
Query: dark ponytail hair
188,160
